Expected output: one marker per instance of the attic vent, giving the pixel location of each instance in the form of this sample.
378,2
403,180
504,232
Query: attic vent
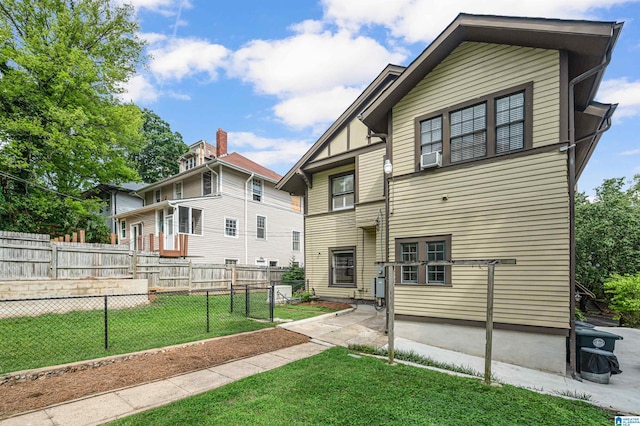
431,159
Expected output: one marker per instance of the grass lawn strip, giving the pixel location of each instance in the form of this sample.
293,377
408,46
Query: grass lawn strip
53,339
335,388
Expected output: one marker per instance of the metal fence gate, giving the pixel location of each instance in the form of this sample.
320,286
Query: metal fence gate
253,301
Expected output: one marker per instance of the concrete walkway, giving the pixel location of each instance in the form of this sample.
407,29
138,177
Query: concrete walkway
109,406
362,325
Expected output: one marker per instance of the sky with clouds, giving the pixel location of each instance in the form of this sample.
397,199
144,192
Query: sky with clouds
275,74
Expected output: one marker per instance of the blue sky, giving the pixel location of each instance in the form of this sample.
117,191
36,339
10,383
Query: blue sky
275,74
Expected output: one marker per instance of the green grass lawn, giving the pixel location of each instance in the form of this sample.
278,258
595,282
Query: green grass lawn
52,339
335,388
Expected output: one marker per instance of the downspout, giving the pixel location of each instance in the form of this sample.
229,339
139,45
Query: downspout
246,218
572,189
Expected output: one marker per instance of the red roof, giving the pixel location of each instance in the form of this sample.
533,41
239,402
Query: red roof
243,162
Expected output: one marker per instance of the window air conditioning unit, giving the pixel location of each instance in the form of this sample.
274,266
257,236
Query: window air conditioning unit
432,159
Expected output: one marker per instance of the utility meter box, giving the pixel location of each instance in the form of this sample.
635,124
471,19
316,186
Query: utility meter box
377,287
380,271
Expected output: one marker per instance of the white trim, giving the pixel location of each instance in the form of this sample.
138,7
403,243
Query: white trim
157,199
190,218
299,241
261,261
265,227
224,227
261,200
175,191
235,259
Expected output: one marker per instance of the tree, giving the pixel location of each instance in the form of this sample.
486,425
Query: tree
159,157
62,127
608,233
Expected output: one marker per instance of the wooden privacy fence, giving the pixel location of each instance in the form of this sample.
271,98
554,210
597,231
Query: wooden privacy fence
182,274
36,257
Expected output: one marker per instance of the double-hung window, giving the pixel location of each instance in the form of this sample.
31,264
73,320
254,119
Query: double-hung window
295,241
510,123
420,250
343,191
261,227
469,133
207,183
257,187
123,228
343,270
493,125
178,190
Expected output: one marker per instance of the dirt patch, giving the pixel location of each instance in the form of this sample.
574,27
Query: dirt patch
337,306
19,397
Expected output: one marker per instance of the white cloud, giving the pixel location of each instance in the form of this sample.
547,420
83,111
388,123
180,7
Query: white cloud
314,75
139,90
178,96
268,152
182,57
623,92
631,152
152,38
309,26
423,20
317,108
163,7
310,62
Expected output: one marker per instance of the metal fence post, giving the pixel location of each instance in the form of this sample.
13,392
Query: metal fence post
106,323
272,303
207,311
246,298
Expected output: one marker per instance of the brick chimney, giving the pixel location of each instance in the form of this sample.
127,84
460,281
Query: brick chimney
221,143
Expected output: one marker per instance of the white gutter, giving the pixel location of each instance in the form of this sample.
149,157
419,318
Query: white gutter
246,224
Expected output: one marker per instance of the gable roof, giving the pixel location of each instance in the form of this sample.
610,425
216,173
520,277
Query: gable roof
588,44
248,165
293,181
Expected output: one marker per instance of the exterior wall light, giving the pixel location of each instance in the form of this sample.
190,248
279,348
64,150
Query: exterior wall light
388,167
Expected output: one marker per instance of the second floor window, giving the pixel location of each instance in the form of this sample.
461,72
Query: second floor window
469,133
189,163
158,195
493,125
257,189
178,190
207,183
342,192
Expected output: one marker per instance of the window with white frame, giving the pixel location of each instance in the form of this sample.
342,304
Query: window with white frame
261,227
123,228
342,191
273,263
230,262
189,220
160,221
158,195
257,186
189,163
231,227
431,135
295,241
208,183
178,190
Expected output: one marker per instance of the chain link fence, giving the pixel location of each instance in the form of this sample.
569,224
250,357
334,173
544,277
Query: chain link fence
51,331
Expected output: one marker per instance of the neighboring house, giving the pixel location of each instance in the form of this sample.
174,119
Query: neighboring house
226,204
487,132
117,199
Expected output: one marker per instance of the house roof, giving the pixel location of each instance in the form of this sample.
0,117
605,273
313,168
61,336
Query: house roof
246,164
588,44
293,181
123,187
233,160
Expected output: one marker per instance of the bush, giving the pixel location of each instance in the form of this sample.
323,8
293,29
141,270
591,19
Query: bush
626,298
579,315
294,271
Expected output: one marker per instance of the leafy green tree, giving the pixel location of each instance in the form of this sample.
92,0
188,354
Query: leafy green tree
62,126
608,233
625,300
294,271
159,157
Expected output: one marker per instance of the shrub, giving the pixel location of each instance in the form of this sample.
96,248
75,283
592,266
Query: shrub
626,298
294,271
579,315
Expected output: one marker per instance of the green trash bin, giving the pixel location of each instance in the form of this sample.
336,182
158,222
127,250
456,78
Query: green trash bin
596,339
